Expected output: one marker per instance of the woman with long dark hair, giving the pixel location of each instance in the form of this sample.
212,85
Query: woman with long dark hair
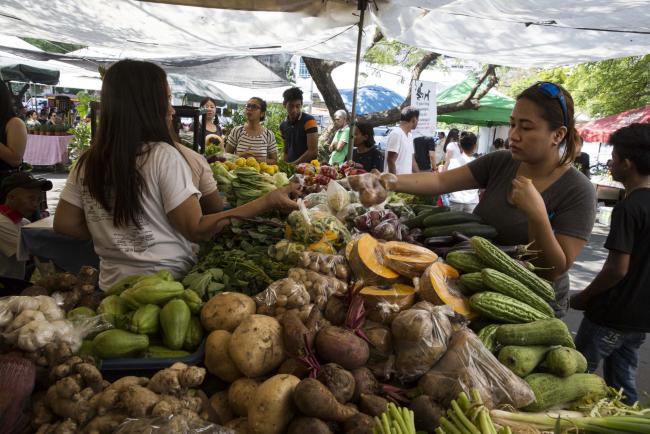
132,191
13,135
452,147
213,132
532,193
365,152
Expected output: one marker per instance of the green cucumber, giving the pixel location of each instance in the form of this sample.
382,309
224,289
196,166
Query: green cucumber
451,218
467,229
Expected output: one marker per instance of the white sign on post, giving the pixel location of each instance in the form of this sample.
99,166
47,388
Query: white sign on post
423,98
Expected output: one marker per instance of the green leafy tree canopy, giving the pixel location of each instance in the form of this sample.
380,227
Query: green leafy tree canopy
598,88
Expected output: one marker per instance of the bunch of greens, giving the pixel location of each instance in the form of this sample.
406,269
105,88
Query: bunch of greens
237,259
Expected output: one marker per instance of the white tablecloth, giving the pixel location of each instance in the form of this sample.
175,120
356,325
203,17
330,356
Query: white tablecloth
46,150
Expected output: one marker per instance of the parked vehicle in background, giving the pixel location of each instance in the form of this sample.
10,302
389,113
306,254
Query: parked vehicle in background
381,135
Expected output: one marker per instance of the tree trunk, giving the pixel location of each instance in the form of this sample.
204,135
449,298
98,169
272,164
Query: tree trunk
321,73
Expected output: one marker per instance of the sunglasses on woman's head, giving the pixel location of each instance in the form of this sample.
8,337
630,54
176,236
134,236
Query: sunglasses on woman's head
554,91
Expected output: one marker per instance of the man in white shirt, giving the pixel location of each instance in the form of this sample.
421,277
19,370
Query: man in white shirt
23,196
400,158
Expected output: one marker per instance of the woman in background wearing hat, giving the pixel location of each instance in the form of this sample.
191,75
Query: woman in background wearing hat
532,193
13,135
23,194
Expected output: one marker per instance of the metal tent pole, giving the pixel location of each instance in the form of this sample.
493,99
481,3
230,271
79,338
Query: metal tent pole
362,5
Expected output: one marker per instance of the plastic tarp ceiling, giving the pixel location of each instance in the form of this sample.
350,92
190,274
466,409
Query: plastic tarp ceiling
599,130
494,108
503,32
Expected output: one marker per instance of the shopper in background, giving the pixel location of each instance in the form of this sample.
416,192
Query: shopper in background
22,194
252,139
451,147
498,145
13,135
42,116
339,147
464,200
400,158
616,302
425,153
32,119
582,159
365,152
299,130
213,132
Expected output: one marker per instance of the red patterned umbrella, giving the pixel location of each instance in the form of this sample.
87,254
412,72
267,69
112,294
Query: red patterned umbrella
599,130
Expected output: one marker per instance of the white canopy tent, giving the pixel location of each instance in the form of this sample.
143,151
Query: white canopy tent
504,32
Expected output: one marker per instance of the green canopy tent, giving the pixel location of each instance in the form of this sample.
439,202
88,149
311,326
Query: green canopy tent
495,109
29,74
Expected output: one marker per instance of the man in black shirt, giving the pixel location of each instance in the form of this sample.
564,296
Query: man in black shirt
616,303
425,153
299,131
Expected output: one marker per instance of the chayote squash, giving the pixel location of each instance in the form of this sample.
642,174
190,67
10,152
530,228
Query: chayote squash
145,320
116,343
174,320
194,335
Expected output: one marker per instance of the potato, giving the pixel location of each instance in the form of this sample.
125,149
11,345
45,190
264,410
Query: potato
240,394
272,408
217,359
219,404
226,311
256,346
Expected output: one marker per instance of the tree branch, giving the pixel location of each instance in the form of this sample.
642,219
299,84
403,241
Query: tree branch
472,101
392,115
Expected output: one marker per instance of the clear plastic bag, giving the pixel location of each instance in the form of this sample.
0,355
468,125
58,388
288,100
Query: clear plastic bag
337,197
172,424
420,335
373,218
315,199
281,295
468,365
310,226
373,188
320,287
329,265
286,250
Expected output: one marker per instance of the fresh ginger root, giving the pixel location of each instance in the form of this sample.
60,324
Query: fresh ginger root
177,379
138,401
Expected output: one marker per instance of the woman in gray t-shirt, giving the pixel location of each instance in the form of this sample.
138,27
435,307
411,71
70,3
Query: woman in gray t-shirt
532,192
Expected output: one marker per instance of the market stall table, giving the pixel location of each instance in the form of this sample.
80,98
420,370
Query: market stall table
39,239
47,150
607,188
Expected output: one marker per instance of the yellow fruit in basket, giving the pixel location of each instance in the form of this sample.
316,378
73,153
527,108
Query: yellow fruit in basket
230,165
251,162
315,163
240,162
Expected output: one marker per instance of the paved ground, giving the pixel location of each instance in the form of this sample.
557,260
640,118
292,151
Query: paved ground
583,271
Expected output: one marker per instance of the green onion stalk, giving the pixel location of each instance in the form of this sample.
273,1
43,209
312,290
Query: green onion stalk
573,420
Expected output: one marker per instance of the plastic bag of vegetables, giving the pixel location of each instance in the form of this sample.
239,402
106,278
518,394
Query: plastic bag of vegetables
468,364
310,226
281,295
319,286
337,197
